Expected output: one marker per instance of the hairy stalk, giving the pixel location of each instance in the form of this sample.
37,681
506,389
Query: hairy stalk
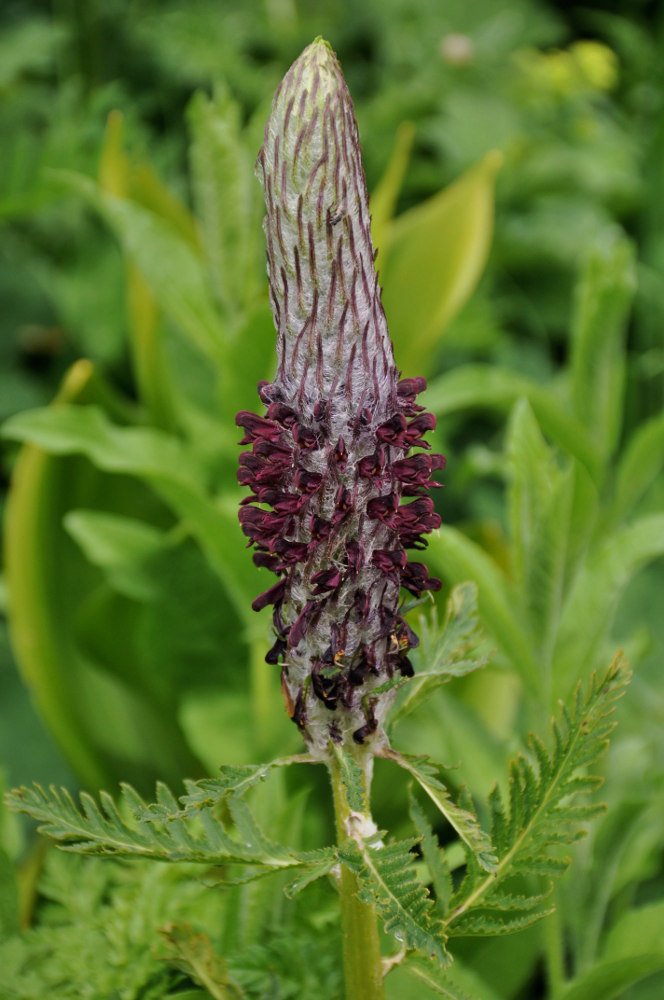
363,973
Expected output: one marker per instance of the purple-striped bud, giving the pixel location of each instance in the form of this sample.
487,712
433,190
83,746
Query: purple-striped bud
329,461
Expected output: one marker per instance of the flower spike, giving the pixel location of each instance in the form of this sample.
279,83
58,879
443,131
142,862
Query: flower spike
329,460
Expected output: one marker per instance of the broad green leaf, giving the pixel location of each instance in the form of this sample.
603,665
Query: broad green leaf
226,197
533,476
456,558
251,357
170,265
153,378
163,462
610,979
9,900
591,602
638,467
119,545
436,253
603,299
384,198
164,624
487,387
638,931
87,429
90,713
116,178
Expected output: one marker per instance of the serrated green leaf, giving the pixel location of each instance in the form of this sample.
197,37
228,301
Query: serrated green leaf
456,558
483,924
527,864
308,873
253,837
193,954
233,780
541,813
591,602
462,820
352,778
151,831
445,651
387,880
433,855
603,298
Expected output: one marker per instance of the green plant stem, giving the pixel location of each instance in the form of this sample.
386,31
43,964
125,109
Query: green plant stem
363,973
553,944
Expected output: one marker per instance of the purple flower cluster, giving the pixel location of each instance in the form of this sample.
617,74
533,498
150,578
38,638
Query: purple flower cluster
329,464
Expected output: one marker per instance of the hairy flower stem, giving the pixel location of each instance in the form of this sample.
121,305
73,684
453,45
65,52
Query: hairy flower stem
363,973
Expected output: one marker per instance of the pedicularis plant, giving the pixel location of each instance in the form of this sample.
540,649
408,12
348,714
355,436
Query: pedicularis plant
337,502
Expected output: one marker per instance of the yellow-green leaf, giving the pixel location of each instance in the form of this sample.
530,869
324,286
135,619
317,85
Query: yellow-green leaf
436,254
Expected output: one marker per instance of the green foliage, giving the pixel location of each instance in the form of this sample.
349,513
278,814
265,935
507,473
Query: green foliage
451,649
387,880
146,929
461,819
494,896
129,585
159,831
193,954
539,814
433,257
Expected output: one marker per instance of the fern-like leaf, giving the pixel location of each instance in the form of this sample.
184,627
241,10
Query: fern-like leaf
462,818
445,651
387,880
192,953
433,856
352,779
232,780
541,813
159,830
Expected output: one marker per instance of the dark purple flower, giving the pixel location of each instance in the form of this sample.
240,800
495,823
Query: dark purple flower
330,462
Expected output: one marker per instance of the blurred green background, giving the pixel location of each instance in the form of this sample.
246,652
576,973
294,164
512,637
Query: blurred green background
514,152
571,96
